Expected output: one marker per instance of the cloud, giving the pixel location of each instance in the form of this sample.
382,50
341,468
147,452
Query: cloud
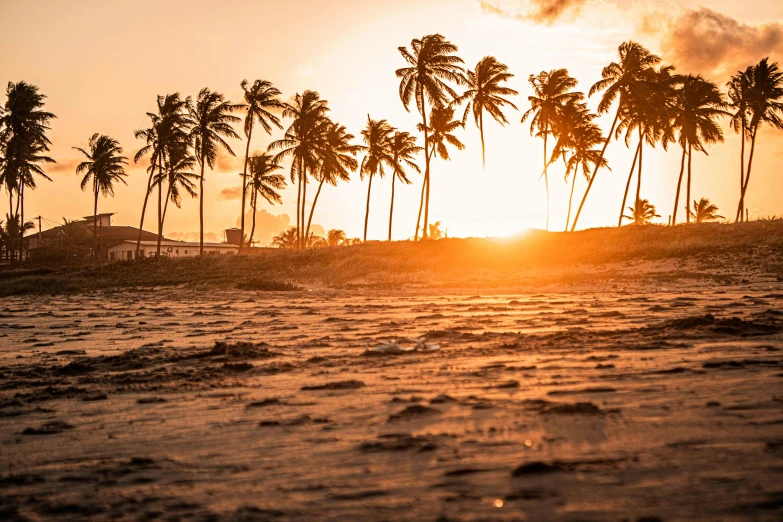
539,11
268,225
228,163
704,41
63,166
230,193
209,237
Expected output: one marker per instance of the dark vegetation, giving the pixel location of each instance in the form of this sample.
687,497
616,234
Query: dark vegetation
532,259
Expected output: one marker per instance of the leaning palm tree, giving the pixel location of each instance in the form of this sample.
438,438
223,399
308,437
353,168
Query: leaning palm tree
337,159
104,167
642,212
619,80
441,131
336,237
301,144
765,103
738,92
698,104
286,239
403,149
210,122
180,178
260,101
432,63
704,211
485,94
377,136
265,181
552,91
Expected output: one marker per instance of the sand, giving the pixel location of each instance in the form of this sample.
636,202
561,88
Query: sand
662,402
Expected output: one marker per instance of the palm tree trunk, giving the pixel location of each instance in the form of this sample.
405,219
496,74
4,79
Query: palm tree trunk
201,210
595,171
628,185
144,209
253,202
312,209
639,176
367,211
426,169
679,183
421,207
570,198
160,204
742,168
481,131
21,220
298,202
546,181
94,225
391,207
688,190
244,187
304,204
165,209
741,206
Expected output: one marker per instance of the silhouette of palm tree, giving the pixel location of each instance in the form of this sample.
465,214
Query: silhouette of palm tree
286,239
265,182
619,80
552,91
403,150
210,122
105,166
300,142
642,212
765,103
436,232
10,231
704,211
697,104
260,100
485,94
180,177
23,128
337,159
336,237
377,136
738,91
432,64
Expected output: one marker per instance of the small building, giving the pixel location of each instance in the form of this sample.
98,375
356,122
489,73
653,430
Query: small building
233,236
126,250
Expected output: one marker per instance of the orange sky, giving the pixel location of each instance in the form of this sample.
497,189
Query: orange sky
101,64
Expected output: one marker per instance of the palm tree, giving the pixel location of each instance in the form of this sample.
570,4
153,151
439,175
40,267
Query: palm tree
619,79
765,103
180,177
642,212
738,91
23,128
336,237
435,231
337,159
403,149
704,211
10,231
210,122
432,64
485,94
71,233
260,100
301,144
552,91
698,103
286,239
377,136
105,165
264,181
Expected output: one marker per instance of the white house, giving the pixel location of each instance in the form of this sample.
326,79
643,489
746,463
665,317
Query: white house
127,249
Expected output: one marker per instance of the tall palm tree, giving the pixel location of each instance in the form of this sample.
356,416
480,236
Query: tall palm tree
432,63
485,94
377,136
619,80
301,144
210,122
698,104
179,177
260,100
738,91
265,182
704,211
642,212
403,149
441,131
551,92
105,166
337,159
765,102
23,127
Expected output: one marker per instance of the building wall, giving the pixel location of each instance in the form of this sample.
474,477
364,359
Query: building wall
126,251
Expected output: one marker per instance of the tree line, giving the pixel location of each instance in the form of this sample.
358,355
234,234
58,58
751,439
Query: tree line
652,104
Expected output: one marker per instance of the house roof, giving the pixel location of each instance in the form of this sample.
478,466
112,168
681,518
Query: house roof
110,233
179,244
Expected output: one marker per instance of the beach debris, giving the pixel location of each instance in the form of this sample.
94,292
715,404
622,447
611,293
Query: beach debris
403,345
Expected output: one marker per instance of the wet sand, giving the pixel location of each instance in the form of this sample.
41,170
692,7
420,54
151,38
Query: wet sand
656,403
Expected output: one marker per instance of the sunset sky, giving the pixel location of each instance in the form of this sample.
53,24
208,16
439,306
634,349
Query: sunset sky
102,63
